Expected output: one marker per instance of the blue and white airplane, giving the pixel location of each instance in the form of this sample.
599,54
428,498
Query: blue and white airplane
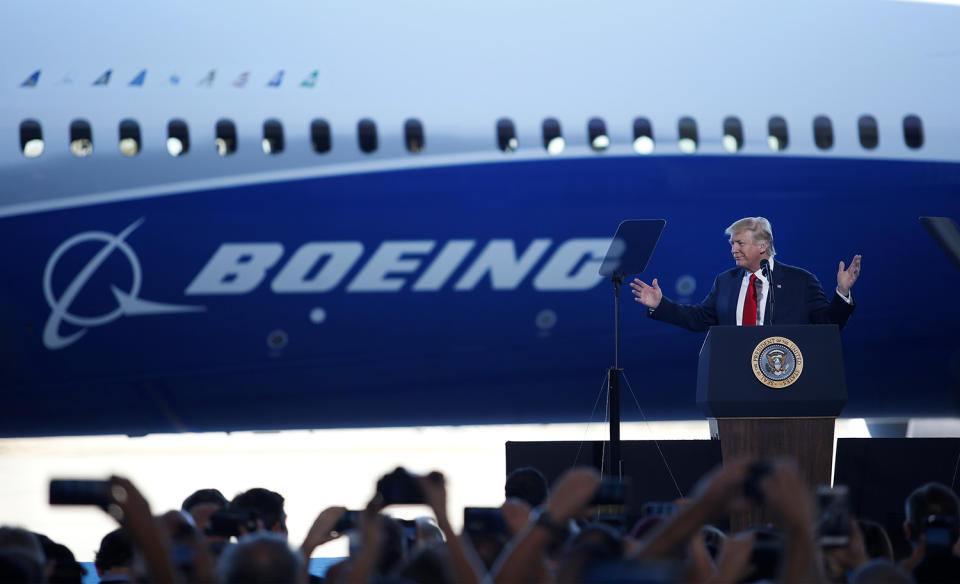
245,215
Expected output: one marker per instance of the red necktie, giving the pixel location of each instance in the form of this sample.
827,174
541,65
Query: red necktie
750,303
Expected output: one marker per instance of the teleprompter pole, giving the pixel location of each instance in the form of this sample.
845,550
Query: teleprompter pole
614,461
629,253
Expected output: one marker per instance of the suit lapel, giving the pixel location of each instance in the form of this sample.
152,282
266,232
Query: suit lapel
734,296
784,288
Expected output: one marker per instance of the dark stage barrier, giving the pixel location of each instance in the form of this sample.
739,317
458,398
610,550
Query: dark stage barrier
882,472
687,459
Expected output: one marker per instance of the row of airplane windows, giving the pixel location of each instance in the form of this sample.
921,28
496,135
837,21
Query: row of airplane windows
178,136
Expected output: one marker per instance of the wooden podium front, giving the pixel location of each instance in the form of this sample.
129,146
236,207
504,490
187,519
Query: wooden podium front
807,440
773,391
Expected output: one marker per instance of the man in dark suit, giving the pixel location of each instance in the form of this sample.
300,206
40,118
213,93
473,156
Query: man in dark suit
741,296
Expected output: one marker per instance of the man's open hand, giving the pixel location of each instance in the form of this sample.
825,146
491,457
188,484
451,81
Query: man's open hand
847,277
651,296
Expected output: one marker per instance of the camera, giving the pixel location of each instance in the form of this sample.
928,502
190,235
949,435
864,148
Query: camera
766,556
483,521
834,524
755,475
657,509
227,523
347,521
611,493
401,488
941,534
80,492
611,502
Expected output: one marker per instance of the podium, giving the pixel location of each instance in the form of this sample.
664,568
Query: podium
772,391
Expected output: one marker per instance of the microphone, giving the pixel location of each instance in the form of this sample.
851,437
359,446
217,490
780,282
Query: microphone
765,270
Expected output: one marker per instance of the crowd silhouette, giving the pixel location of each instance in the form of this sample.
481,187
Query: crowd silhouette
567,532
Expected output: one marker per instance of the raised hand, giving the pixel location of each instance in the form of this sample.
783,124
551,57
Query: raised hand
201,516
131,509
847,277
787,496
322,530
721,491
717,494
523,560
516,514
734,563
842,560
467,567
371,533
435,492
572,492
650,296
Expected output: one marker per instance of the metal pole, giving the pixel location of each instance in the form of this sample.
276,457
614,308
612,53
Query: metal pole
617,282
613,396
614,466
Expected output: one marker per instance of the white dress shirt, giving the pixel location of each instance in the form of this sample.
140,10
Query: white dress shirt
761,299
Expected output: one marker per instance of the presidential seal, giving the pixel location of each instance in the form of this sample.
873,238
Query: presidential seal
777,362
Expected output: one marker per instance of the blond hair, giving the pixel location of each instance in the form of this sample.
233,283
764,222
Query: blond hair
759,227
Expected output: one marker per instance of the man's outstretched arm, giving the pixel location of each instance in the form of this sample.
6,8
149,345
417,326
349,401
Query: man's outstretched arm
840,305
693,317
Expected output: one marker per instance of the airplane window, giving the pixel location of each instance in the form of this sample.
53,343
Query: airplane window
129,138
823,132
413,135
320,136
777,134
272,137
367,135
178,138
913,131
226,138
642,136
687,129
506,135
597,132
869,135
552,136
31,138
732,134
81,138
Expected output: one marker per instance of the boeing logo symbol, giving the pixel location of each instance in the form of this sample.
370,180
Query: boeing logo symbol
128,303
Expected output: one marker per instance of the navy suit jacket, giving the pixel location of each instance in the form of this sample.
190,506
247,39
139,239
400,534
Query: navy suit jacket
798,299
